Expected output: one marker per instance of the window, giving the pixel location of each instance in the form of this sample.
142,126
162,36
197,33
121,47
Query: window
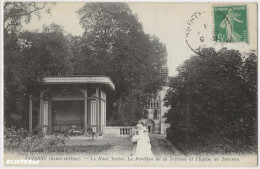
145,114
155,114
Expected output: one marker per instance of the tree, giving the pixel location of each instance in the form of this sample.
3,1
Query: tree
115,44
214,97
15,65
17,12
29,57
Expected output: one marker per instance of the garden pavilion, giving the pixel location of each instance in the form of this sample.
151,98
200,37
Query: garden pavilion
70,101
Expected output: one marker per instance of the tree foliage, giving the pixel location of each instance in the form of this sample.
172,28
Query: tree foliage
214,96
115,44
30,56
17,12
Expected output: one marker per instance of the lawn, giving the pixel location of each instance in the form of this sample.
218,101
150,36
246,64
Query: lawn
109,145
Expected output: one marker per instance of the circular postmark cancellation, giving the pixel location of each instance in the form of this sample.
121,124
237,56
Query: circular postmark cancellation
198,31
229,26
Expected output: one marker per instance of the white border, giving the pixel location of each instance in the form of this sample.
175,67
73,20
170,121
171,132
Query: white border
1,69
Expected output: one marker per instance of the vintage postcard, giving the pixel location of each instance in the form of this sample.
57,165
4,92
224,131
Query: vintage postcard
139,84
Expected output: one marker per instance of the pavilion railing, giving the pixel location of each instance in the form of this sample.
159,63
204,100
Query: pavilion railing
119,130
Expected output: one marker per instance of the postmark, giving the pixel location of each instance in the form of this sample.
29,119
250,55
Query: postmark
198,31
230,24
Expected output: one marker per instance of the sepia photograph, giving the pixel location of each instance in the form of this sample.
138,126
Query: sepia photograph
129,84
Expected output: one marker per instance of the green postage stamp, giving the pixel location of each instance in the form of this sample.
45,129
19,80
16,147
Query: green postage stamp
230,24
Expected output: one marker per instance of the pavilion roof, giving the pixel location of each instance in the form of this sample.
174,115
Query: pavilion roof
89,79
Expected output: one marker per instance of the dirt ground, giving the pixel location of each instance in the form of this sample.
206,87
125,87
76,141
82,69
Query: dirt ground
162,147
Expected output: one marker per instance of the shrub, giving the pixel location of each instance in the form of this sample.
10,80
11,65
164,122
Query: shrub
214,102
13,135
33,140
55,139
21,135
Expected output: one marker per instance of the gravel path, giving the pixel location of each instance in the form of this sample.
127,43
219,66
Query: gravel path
162,147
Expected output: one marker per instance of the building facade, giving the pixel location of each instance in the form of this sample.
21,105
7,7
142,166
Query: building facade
154,111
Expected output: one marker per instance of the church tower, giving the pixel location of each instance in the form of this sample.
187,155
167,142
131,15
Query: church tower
153,113
164,73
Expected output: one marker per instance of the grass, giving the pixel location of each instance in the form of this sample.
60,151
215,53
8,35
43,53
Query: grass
107,145
89,149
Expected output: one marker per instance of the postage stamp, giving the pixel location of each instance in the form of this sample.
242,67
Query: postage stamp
230,24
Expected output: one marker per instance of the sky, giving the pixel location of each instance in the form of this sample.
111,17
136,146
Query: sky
168,21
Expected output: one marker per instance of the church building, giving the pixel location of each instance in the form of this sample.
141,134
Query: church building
154,111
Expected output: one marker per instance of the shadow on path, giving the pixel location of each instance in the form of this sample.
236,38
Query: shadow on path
162,147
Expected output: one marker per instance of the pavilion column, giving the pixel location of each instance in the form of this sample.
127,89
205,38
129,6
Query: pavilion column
30,113
45,116
49,116
41,110
85,110
100,109
97,110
